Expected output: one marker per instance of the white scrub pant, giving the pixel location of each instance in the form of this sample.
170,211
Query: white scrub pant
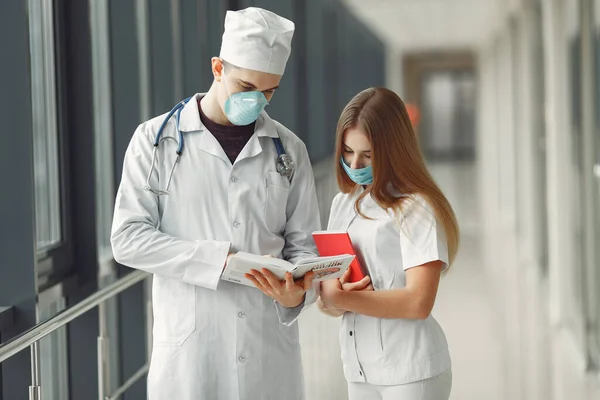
434,388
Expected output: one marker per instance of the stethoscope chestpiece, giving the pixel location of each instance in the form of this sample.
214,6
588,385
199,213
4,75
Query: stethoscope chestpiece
285,165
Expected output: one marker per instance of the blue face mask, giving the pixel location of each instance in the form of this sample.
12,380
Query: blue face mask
243,108
361,176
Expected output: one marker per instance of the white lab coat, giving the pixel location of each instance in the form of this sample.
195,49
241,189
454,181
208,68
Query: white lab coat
214,339
391,351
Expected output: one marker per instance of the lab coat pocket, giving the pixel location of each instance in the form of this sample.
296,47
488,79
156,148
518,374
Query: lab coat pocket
369,341
278,189
174,305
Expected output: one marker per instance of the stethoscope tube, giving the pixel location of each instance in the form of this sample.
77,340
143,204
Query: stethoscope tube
178,107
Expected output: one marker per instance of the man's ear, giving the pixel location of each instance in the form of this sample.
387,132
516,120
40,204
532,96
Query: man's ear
217,68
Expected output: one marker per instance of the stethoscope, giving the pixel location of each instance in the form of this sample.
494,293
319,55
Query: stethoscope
284,163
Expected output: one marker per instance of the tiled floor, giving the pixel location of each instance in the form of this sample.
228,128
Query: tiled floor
463,306
463,309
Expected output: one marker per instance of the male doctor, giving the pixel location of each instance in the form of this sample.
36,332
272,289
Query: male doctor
214,339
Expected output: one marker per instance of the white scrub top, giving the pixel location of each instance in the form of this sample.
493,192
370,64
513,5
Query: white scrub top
391,351
214,339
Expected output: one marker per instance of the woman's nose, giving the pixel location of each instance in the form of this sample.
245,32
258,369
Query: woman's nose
355,164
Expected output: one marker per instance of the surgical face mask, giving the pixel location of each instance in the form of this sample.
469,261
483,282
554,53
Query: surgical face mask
243,108
360,176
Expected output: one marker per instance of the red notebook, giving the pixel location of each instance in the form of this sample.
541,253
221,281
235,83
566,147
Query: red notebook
331,243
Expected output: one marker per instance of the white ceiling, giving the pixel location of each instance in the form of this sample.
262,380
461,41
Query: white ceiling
429,24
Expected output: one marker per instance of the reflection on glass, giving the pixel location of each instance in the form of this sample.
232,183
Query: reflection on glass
45,140
103,131
538,76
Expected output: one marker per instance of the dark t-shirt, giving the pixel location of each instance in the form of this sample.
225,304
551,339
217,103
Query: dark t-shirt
231,138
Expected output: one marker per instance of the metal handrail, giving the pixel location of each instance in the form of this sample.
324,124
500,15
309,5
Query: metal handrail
134,378
31,337
26,339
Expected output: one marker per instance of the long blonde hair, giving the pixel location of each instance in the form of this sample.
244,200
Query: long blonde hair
397,158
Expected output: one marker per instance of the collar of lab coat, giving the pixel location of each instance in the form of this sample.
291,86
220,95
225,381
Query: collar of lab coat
190,120
369,202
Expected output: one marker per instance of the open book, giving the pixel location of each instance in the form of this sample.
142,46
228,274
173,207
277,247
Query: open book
323,267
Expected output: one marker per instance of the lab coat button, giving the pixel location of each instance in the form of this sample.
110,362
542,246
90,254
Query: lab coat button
350,333
236,224
234,179
241,358
242,314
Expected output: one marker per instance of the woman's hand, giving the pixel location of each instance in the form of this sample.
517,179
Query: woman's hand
287,292
330,290
333,312
333,289
363,284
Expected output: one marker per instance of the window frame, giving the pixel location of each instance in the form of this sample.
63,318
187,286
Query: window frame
573,279
54,263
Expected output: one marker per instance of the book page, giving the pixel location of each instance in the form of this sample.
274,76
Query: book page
324,267
241,263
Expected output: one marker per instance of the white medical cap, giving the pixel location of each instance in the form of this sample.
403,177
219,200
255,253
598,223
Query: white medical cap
257,39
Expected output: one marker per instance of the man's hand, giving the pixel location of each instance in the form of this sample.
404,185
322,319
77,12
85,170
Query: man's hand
363,284
287,292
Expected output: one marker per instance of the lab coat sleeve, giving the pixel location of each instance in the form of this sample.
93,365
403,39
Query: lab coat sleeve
302,220
136,239
422,237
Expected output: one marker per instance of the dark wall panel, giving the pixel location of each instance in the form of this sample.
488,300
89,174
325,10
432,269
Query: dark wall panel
125,77
126,117
319,79
161,49
214,18
17,279
346,56
360,60
75,68
132,343
195,41
333,68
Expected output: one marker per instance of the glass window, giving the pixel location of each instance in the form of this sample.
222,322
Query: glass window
537,76
594,301
103,126
573,277
45,132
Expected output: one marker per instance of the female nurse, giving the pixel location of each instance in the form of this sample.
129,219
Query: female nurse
406,235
